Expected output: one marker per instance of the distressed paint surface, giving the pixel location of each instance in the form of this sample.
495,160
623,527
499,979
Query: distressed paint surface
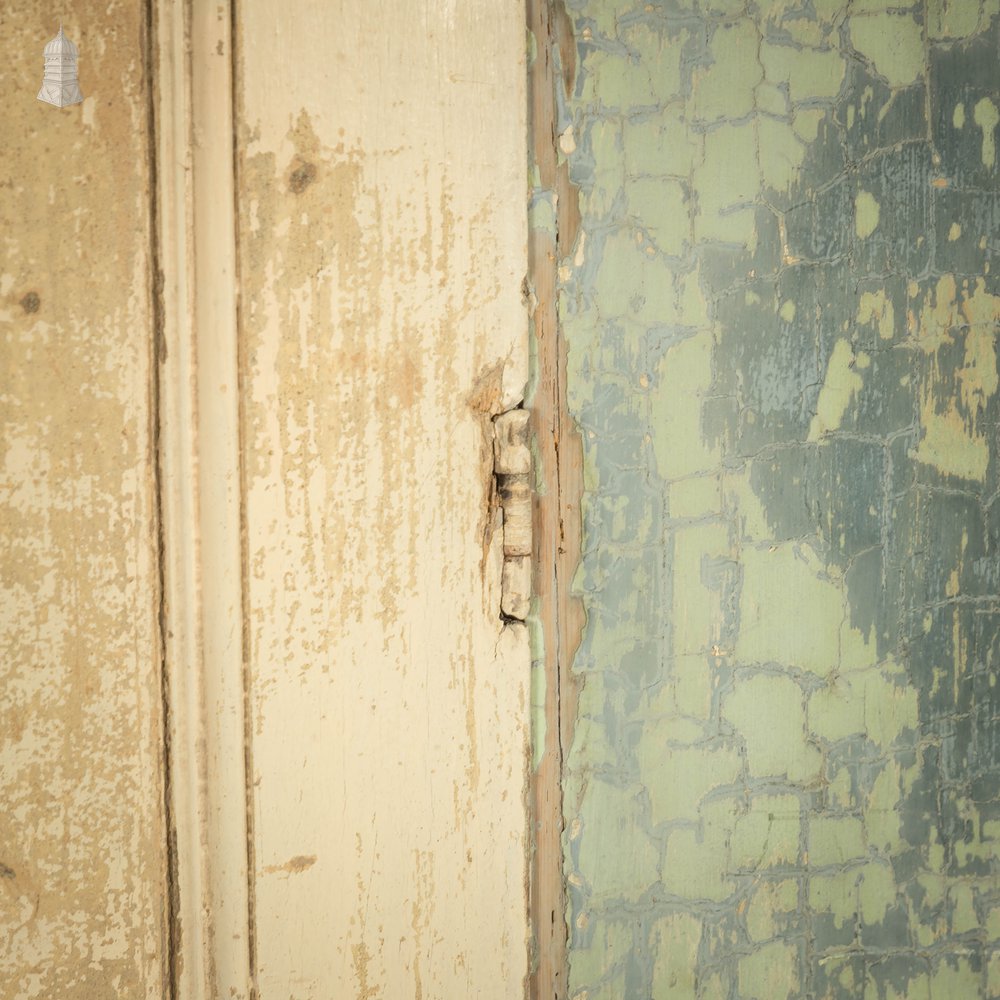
82,838
200,502
382,249
556,618
782,315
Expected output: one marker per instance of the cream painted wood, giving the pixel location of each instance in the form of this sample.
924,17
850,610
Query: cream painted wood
199,435
331,356
382,248
82,834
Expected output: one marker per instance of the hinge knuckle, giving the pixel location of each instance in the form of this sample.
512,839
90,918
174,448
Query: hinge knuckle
512,469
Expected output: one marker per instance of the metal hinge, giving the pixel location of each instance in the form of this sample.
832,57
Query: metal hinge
512,468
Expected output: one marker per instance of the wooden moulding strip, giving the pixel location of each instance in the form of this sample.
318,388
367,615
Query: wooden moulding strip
199,476
557,505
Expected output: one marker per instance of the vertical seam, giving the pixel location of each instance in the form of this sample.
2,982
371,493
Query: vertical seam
234,75
171,906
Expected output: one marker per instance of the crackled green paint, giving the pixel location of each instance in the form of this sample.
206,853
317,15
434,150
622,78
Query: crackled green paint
782,314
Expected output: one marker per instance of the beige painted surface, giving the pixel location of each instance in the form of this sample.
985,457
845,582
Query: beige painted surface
201,501
338,324
382,250
82,840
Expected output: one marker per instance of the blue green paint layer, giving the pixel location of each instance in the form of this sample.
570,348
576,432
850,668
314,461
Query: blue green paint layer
782,313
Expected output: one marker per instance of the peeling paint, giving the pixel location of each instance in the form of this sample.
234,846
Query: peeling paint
382,329
866,214
786,726
986,117
842,384
82,840
893,42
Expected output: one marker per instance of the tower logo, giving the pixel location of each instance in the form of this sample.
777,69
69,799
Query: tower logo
60,85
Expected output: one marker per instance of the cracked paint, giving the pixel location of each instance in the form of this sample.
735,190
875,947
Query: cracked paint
785,775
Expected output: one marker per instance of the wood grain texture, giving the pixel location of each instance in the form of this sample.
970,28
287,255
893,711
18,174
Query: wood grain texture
382,249
556,507
82,837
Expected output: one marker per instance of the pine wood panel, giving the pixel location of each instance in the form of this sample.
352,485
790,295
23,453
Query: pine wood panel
382,247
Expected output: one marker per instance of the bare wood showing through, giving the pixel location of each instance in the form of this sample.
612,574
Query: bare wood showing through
556,505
